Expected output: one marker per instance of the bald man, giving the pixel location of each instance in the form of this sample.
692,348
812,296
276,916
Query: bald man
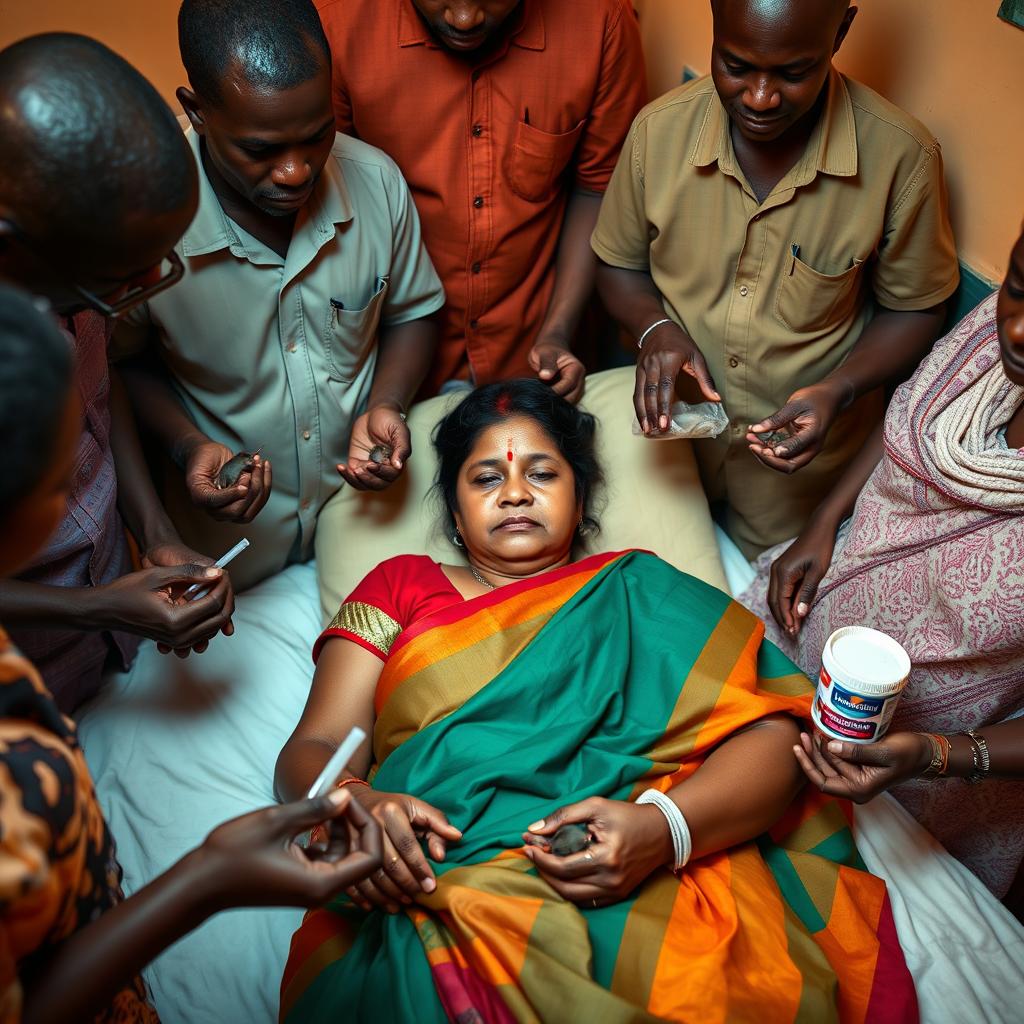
98,184
778,234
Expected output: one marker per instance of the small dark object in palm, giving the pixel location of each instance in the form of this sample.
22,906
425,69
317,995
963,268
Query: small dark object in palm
773,438
230,472
381,453
570,839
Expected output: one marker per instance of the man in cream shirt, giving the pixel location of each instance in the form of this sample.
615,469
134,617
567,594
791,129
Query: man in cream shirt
301,326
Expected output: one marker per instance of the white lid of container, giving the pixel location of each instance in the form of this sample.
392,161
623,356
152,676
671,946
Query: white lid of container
868,658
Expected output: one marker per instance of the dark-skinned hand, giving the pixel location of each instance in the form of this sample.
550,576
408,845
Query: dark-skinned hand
556,365
149,604
238,504
258,863
404,872
171,554
628,842
860,771
383,424
806,418
796,573
667,352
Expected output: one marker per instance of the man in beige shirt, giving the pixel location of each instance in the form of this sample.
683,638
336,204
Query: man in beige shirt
301,325
780,234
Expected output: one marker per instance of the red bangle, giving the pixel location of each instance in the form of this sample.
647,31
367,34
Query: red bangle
352,782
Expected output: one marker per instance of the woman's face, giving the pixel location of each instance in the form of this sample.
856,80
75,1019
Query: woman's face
1010,315
517,507
27,527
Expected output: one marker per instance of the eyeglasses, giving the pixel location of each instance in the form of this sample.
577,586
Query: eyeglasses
139,289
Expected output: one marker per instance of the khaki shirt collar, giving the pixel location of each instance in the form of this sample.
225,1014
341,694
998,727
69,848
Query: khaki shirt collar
831,149
212,229
529,35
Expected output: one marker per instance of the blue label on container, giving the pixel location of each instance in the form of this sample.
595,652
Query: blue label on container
854,705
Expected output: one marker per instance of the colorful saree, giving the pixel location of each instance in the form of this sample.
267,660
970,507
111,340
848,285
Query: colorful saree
603,678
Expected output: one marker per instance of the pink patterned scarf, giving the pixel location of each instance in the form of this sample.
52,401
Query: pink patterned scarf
934,556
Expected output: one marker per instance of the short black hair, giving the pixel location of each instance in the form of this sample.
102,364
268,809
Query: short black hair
85,141
36,372
572,430
278,44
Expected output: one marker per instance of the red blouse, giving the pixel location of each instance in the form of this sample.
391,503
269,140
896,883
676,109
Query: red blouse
390,598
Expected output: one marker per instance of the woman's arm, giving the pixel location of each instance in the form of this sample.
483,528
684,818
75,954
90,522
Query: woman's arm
743,787
859,772
341,697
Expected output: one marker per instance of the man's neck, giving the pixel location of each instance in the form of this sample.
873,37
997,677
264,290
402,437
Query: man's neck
274,232
765,164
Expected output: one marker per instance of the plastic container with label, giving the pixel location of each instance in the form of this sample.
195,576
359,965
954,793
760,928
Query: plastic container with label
863,673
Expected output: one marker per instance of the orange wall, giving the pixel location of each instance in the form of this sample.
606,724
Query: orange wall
951,63
144,32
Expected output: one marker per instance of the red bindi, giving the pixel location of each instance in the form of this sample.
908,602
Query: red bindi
510,449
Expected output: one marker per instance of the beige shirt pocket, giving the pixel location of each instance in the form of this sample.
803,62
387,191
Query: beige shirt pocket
349,335
809,302
538,158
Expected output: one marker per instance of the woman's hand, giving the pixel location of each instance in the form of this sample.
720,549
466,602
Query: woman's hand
796,573
404,872
628,842
254,861
860,771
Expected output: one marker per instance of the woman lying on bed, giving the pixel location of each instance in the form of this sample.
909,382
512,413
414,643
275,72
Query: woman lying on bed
933,556
525,691
70,947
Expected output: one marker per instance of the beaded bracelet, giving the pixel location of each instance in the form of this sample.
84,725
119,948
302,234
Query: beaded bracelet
682,844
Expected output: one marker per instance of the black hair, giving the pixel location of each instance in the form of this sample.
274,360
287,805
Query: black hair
570,428
279,44
36,367
85,141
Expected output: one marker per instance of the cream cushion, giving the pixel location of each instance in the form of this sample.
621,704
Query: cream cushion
653,500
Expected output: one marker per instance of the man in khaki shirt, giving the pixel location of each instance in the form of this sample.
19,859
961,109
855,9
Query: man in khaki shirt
779,233
301,325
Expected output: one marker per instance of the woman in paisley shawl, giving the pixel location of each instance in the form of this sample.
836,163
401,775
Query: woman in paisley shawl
70,947
934,556
525,691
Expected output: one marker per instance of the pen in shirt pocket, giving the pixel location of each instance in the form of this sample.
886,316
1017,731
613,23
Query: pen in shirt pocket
795,251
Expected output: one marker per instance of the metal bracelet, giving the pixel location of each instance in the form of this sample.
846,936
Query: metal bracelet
980,755
657,323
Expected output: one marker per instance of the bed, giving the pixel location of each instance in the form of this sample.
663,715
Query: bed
176,747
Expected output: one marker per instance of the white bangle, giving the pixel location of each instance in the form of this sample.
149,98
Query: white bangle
682,844
657,323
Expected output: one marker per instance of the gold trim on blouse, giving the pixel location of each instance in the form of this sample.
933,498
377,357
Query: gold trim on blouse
368,623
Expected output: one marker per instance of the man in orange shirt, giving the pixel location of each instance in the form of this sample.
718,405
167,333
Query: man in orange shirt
506,118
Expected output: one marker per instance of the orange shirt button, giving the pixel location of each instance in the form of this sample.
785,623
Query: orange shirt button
477,267
478,130
474,324
478,201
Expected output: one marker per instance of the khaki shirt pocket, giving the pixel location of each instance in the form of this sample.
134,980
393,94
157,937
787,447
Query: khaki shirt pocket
538,158
350,333
808,301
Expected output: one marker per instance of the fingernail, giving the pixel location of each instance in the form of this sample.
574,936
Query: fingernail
528,850
537,825
801,608
337,797
212,572
835,747
428,885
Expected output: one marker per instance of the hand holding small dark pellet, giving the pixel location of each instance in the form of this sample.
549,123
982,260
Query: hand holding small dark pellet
232,470
570,839
381,453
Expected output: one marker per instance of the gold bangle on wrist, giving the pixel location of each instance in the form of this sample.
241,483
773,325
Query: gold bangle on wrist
939,763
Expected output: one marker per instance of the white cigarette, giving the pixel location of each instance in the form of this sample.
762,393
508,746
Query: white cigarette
336,765
193,592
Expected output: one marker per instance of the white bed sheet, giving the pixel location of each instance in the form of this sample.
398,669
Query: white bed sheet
176,747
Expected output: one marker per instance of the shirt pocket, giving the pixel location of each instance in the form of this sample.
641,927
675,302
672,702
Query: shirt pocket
538,158
808,301
350,333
